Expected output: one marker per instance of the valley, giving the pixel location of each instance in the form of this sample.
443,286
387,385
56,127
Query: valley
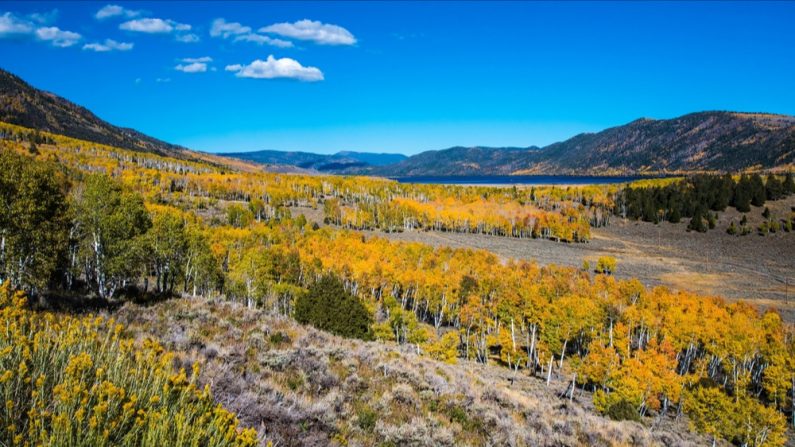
713,263
531,225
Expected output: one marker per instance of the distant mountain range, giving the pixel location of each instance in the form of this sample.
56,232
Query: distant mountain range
704,141
337,163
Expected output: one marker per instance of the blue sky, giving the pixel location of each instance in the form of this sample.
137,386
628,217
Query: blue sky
399,77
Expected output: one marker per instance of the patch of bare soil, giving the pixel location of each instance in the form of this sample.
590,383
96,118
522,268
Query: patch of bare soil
758,268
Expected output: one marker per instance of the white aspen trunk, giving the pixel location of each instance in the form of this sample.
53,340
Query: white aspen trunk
573,384
611,332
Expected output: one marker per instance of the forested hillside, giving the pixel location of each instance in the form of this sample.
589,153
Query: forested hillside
340,162
22,104
698,142
87,220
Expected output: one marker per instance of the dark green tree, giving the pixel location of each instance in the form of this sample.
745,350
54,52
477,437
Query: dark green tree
110,225
789,185
697,221
774,189
758,192
328,306
742,195
675,216
34,222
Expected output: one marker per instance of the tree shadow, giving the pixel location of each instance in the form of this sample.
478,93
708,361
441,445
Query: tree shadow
82,301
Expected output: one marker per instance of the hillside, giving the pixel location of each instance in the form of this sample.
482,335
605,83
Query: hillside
309,388
705,141
428,305
25,105
462,161
339,162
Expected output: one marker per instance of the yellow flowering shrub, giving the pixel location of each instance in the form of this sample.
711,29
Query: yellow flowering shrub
68,380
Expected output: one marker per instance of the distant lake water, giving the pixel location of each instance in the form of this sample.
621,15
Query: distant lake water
519,179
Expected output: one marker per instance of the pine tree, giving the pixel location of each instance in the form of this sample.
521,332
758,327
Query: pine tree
758,193
697,221
724,194
774,190
789,185
675,216
329,307
742,195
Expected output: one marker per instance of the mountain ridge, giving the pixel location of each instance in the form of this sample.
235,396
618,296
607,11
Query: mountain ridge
24,105
337,162
699,141
723,141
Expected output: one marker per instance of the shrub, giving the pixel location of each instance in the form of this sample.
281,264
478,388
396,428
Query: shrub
77,381
606,265
444,348
623,410
712,219
329,307
732,229
278,338
367,419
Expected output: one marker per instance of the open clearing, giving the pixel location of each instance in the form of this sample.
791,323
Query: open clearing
753,267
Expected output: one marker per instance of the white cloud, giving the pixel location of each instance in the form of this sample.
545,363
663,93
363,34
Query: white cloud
194,64
322,33
259,39
196,67
204,59
163,80
108,45
222,28
44,18
187,38
108,11
241,33
11,25
276,68
57,37
153,26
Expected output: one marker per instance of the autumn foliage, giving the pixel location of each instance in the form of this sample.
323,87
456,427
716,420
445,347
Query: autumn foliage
641,351
79,381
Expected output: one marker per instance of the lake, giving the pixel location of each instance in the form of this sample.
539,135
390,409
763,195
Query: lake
485,180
